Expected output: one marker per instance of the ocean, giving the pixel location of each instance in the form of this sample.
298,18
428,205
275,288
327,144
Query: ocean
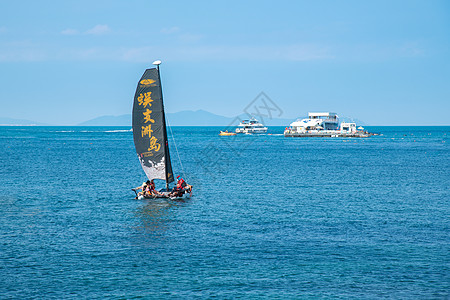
271,217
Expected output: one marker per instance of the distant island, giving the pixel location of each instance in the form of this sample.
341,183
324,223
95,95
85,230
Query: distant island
181,118
197,118
19,122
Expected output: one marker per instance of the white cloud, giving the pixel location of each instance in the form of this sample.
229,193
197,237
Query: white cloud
28,51
96,30
305,53
69,31
217,52
180,35
190,38
24,50
412,49
170,30
99,29
138,53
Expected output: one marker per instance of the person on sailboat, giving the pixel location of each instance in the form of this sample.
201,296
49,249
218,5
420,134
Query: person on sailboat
152,190
180,188
144,187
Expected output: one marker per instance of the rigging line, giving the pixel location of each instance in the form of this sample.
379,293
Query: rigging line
176,148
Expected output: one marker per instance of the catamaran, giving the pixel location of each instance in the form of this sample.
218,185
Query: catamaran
150,131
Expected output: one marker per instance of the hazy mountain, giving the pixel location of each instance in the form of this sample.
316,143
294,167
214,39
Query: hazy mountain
18,122
185,118
181,118
353,120
197,118
122,120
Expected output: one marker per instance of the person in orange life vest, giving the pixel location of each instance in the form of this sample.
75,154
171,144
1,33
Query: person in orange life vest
179,188
152,190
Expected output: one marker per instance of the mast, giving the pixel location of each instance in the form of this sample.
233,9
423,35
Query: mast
149,127
166,148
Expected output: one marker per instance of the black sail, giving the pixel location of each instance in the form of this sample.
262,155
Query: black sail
149,127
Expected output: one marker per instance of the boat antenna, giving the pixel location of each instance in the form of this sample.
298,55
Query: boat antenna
176,148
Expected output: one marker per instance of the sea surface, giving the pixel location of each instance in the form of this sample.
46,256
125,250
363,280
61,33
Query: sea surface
271,217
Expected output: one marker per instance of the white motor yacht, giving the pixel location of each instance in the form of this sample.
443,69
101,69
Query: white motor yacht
251,126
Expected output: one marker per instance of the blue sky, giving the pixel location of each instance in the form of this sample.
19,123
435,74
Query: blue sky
383,62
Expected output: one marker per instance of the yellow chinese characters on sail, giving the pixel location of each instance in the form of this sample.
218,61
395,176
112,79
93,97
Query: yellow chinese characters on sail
154,145
147,131
145,99
147,116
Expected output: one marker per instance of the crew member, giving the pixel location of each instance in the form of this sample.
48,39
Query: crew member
180,188
144,187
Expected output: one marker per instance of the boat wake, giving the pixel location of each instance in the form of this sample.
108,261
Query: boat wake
126,130
95,131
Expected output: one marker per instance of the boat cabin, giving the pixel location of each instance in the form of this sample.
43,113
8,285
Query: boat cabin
317,121
323,115
348,127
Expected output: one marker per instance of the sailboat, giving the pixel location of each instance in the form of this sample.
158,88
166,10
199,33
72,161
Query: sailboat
150,131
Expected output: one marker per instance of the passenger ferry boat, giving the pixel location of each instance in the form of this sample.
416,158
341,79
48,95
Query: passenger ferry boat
251,126
324,124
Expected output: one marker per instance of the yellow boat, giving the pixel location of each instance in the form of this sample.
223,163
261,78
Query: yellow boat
226,133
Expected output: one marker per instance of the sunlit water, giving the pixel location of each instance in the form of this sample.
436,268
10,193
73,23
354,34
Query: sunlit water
271,217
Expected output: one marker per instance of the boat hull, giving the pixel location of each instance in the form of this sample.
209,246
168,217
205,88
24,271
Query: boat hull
252,131
328,134
166,196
